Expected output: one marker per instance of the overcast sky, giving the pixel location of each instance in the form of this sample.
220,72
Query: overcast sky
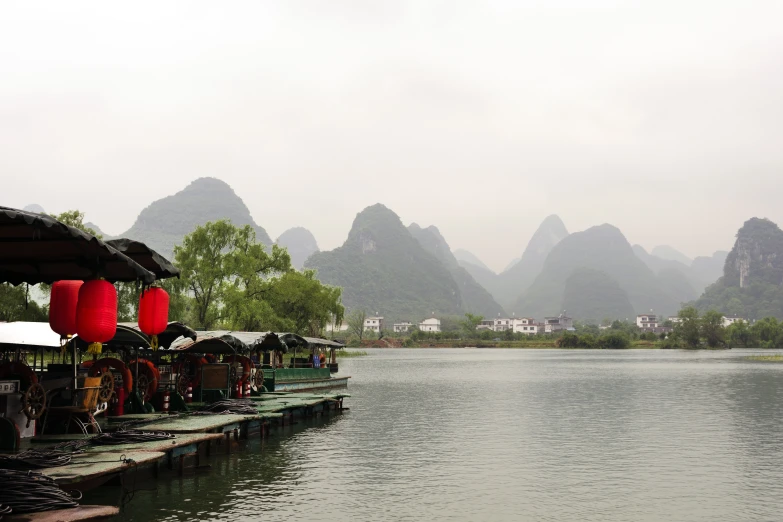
663,118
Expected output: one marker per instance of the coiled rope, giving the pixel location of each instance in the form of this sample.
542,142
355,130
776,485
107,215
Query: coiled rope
36,459
229,406
31,492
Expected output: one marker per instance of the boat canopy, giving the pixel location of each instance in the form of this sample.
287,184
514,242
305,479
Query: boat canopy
315,341
129,335
203,344
146,257
28,336
39,249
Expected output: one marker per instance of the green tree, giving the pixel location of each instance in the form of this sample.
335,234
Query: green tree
301,299
356,323
768,332
688,329
75,218
614,340
712,329
739,334
15,305
470,323
205,263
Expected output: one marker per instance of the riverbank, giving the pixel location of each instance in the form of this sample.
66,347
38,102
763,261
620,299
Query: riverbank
473,343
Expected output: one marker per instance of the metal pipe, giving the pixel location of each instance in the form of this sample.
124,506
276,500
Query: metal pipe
75,374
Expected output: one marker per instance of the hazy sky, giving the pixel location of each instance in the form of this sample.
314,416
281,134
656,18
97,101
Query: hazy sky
663,118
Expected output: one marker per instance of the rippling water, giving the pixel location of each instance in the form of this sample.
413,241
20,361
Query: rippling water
478,434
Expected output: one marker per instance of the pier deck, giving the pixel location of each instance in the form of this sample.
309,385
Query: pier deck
67,515
93,468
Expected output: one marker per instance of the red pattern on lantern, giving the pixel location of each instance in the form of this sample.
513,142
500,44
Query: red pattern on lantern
96,312
62,307
153,311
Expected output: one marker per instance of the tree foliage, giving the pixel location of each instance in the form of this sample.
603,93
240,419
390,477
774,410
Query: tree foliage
356,323
688,329
228,279
712,329
15,305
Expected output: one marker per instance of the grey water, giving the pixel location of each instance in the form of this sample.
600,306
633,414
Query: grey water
482,434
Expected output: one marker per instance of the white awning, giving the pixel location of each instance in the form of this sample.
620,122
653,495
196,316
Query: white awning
28,334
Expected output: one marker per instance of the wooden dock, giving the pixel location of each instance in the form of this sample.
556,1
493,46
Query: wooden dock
67,515
194,435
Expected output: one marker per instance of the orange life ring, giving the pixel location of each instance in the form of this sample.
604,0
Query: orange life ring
246,362
19,369
101,365
197,361
153,377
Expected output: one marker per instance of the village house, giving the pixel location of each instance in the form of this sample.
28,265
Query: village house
502,324
403,327
731,319
558,324
373,324
647,321
430,325
342,327
486,324
525,325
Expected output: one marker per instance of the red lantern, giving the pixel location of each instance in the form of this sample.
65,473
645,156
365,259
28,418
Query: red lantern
153,313
62,307
96,313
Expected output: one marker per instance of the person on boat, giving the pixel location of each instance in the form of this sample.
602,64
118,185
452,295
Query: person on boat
322,359
316,361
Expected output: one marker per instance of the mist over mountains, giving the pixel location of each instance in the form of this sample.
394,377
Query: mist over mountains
408,273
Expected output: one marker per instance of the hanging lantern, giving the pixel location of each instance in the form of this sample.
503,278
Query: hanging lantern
96,313
153,313
62,307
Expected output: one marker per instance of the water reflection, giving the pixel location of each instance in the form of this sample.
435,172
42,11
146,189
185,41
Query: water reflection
513,435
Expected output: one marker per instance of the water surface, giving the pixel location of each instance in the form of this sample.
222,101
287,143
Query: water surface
485,434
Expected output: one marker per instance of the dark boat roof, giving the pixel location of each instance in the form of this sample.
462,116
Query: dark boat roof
146,257
39,249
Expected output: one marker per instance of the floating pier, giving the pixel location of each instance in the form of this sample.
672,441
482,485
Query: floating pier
194,435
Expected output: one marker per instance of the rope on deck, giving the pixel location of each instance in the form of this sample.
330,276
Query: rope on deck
36,459
31,492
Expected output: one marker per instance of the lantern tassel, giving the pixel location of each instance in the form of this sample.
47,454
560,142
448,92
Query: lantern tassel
154,343
95,348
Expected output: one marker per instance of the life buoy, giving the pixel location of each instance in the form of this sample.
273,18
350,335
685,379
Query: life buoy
101,365
194,362
246,362
20,370
151,374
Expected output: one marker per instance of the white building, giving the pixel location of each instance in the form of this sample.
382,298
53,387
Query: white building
486,324
646,321
430,325
731,319
674,319
502,324
524,325
342,327
557,324
373,324
402,327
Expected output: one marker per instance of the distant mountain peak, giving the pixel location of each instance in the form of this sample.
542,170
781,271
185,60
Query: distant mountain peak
34,207
464,255
300,244
670,253
164,222
752,281
605,251
383,268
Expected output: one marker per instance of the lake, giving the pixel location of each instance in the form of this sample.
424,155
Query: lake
493,434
